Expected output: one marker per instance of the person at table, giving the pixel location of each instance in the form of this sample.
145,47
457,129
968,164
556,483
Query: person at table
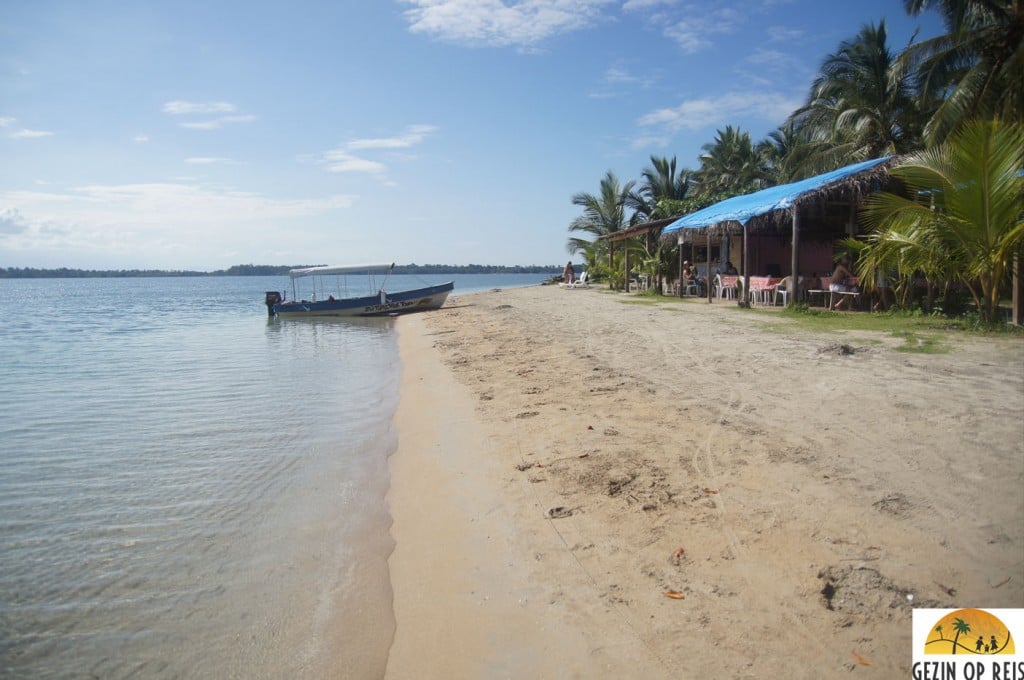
730,270
841,282
690,276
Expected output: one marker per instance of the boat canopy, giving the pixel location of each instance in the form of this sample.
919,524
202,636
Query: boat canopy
344,269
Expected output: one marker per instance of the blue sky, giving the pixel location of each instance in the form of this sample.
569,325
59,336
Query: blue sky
197,135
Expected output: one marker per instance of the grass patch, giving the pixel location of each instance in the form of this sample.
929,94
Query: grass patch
920,344
921,333
652,299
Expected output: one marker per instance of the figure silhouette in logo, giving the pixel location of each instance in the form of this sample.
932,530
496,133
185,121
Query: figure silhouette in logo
994,645
981,641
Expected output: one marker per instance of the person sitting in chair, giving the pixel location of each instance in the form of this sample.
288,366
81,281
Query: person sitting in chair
690,276
841,283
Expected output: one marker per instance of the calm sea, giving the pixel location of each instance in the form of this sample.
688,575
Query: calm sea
191,489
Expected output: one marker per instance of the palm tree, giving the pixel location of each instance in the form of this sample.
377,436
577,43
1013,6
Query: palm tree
863,101
603,214
730,165
938,629
660,186
662,193
791,153
964,220
976,69
960,626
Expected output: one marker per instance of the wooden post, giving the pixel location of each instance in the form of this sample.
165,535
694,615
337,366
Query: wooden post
1018,291
794,260
745,301
611,264
625,261
707,267
679,289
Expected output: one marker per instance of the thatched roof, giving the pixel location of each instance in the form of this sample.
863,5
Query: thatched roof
771,208
638,229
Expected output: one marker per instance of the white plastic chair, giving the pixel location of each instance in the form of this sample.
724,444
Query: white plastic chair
581,282
722,291
781,289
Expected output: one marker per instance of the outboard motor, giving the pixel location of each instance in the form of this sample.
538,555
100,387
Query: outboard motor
272,298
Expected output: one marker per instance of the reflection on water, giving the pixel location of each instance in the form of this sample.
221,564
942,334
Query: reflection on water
188,488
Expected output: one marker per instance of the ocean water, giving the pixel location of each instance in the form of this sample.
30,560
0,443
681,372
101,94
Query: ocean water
191,489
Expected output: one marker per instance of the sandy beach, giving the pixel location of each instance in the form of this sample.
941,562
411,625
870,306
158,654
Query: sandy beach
590,485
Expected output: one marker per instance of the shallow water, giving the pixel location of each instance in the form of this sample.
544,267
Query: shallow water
190,488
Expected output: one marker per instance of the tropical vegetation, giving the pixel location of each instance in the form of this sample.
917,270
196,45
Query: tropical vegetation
950,108
961,224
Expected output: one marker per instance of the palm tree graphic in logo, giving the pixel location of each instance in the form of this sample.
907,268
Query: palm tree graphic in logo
993,637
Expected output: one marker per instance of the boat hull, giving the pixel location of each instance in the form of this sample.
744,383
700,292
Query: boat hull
402,302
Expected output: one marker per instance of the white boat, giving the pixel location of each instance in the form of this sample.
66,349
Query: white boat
317,298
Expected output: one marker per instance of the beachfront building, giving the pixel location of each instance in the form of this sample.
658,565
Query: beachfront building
650,232
783,229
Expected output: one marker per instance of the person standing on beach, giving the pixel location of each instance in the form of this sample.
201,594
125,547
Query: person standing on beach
568,274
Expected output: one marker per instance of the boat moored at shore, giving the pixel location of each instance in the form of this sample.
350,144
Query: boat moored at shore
320,302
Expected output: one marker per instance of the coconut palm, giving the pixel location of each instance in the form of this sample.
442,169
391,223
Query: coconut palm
791,153
603,214
976,69
660,186
730,165
963,221
662,193
862,103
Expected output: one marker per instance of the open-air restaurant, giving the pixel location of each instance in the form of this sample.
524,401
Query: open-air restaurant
746,248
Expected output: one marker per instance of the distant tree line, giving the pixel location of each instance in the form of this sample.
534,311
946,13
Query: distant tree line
261,270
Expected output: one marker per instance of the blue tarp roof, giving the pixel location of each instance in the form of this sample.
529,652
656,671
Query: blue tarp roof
743,208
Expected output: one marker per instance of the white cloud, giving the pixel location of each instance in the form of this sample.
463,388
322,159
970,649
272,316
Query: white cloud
30,134
176,222
217,123
617,80
693,32
642,5
11,222
184,108
6,121
696,114
341,159
784,34
206,160
617,74
522,23
177,108
140,138
414,135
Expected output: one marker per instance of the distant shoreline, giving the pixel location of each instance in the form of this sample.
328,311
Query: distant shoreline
260,270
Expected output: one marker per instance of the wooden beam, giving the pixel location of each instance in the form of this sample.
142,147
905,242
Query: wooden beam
1018,291
744,300
794,260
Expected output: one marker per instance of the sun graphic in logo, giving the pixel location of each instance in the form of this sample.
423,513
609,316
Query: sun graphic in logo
969,631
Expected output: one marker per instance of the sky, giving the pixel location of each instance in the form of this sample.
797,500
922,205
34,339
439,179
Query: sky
195,135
